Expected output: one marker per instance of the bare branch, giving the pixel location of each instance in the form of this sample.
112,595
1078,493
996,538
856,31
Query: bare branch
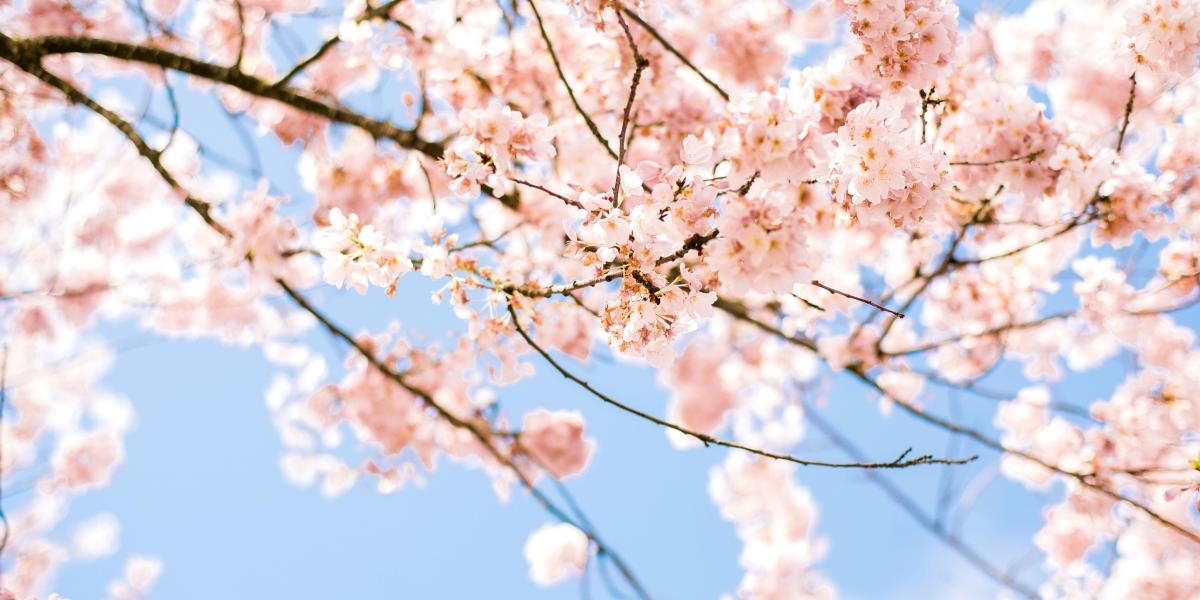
899,462
640,64
853,297
673,50
591,125
988,163
1128,111
909,506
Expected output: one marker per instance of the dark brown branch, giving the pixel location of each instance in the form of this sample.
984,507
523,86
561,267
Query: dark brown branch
900,462
29,52
988,163
591,125
1083,478
1128,111
853,297
695,242
673,50
640,63
478,429
553,193
910,507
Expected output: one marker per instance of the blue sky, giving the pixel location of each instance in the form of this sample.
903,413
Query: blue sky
201,486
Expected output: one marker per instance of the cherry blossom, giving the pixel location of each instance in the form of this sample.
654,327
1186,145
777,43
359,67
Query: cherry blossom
555,441
763,204
555,552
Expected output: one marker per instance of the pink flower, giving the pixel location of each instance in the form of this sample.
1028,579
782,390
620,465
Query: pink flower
695,152
556,552
141,572
88,461
554,440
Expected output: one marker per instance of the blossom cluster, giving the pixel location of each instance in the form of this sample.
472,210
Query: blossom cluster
498,136
904,42
881,171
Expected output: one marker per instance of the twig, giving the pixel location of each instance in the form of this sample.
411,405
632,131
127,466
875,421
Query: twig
1128,110
987,163
909,506
671,48
1086,479
853,297
535,186
899,462
591,125
241,17
308,61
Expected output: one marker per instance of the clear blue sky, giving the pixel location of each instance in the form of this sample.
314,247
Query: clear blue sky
202,489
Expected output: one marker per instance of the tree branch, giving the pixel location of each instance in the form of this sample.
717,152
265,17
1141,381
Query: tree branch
591,125
899,462
673,50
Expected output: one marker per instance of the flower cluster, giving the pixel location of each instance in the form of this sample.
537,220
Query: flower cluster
904,42
881,171
775,519
359,256
1164,35
556,552
492,139
776,136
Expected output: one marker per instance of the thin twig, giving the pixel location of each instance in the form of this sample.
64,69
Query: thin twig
241,17
899,462
591,125
535,186
860,299
1086,479
673,50
1128,110
640,64
988,163
910,507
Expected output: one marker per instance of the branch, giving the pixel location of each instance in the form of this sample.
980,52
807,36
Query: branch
671,48
11,52
591,125
1128,110
899,462
535,186
369,14
1083,478
29,51
477,430
853,297
988,163
640,64
985,333
909,506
